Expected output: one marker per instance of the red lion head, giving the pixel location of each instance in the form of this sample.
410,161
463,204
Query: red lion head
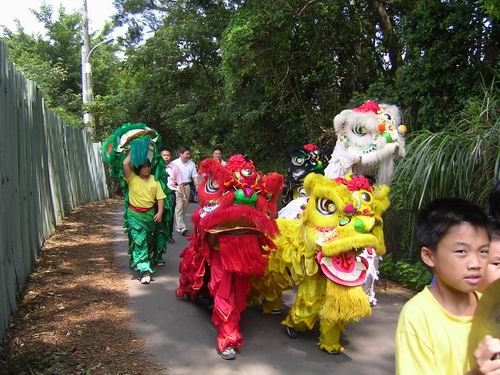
236,217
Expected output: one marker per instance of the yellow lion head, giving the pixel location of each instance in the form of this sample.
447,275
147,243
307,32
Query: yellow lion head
343,217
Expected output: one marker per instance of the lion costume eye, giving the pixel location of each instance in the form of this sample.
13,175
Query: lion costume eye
325,206
388,116
366,197
211,187
298,160
361,197
246,172
359,130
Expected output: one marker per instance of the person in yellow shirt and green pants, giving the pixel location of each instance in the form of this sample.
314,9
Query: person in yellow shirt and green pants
145,210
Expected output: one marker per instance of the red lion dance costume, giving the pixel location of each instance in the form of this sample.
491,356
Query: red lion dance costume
231,241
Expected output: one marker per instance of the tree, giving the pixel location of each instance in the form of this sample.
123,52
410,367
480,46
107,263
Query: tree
53,60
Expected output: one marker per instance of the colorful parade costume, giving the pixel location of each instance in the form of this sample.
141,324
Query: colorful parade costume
308,159
369,138
147,239
321,255
232,238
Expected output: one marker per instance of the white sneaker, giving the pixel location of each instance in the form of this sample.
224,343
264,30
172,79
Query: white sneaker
228,354
145,278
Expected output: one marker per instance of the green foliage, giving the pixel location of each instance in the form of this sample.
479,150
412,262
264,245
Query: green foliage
108,111
53,60
461,160
281,62
492,8
445,59
414,276
262,77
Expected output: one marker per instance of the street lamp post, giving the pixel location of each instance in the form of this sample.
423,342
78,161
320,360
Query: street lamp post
87,90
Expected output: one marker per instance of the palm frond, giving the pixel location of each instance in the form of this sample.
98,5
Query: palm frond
462,160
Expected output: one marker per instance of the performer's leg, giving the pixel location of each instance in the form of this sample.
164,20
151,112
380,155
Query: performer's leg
180,210
329,339
230,294
268,294
138,247
171,222
340,306
192,269
159,243
305,309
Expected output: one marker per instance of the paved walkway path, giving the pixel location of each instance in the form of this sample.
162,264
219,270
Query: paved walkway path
180,336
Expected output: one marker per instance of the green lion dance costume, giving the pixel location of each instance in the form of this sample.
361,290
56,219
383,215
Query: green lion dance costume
147,239
321,255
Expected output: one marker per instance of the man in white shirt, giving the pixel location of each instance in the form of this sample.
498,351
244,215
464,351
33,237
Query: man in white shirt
189,173
175,182
217,155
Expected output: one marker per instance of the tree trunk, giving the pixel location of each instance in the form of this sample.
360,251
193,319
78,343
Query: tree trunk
390,39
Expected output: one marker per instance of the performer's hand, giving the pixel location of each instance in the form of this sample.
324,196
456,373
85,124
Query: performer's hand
186,199
485,355
157,217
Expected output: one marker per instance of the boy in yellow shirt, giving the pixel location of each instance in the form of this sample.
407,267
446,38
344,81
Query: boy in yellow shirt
144,193
433,327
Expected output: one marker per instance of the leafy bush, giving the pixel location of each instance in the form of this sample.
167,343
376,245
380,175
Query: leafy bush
413,276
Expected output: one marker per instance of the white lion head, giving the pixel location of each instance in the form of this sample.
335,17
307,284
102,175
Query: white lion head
368,139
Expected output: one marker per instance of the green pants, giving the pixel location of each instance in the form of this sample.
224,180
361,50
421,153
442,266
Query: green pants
140,229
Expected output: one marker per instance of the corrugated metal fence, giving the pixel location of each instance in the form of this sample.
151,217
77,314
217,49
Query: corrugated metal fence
46,169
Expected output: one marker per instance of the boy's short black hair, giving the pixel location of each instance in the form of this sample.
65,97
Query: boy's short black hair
441,215
165,149
183,149
218,148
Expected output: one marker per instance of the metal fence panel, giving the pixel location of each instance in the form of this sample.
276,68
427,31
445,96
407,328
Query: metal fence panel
47,168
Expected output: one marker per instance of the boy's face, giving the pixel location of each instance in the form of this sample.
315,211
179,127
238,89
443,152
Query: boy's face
492,271
145,170
460,257
166,155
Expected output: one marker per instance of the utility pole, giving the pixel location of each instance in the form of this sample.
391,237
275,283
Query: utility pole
87,91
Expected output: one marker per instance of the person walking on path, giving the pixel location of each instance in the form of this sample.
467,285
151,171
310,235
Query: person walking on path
175,182
189,173
217,155
144,194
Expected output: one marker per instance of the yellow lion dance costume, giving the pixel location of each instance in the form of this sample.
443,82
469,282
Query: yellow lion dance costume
320,254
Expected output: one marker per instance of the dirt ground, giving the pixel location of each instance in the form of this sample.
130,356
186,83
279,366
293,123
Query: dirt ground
73,317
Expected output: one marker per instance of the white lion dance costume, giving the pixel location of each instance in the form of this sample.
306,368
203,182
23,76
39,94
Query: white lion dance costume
368,139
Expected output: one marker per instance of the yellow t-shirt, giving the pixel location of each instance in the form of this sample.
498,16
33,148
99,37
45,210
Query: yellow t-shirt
142,193
429,340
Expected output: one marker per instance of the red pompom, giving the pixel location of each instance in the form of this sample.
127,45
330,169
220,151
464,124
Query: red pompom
310,147
368,106
355,183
